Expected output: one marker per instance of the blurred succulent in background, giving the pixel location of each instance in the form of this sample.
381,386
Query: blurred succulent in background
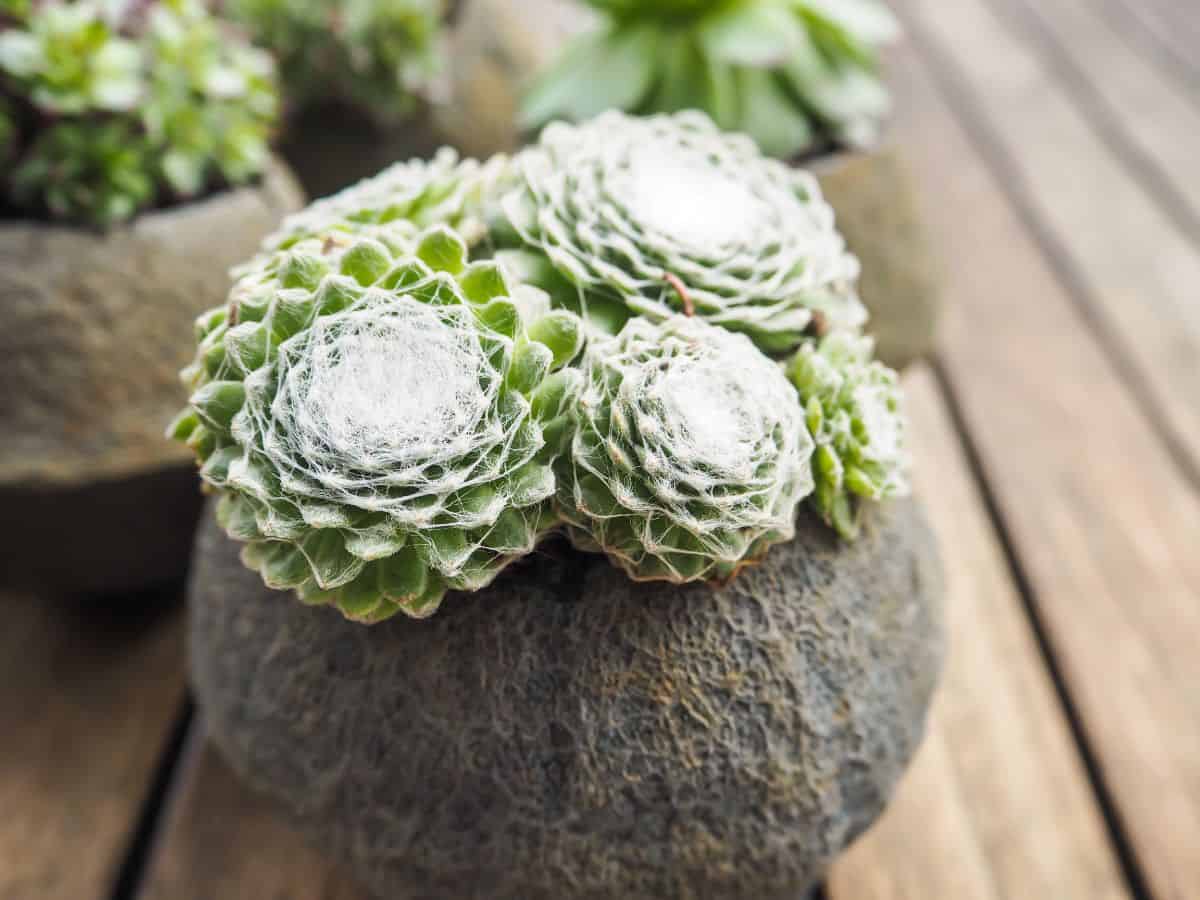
796,75
628,216
109,108
381,417
690,455
378,57
854,414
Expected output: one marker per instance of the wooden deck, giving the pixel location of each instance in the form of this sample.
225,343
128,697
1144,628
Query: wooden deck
1058,440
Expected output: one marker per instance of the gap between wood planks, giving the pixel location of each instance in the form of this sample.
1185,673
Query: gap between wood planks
166,781
986,142
1135,879
1092,499
1146,27
1026,22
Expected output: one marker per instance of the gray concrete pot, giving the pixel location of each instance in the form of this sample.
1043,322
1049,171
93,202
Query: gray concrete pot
568,734
875,198
94,328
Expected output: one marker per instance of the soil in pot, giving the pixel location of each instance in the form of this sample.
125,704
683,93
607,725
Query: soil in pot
567,733
93,331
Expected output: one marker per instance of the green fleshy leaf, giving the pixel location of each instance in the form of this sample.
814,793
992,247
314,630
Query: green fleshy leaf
443,250
599,72
760,35
217,402
366,262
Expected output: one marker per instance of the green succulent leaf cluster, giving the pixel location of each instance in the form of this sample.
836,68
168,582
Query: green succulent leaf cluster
853,409
690,455
796,75
652,217
441,191
378,57
107,109
381,417
401,397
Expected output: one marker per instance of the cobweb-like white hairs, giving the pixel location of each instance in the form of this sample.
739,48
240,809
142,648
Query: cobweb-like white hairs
691,452
376,411
389,408
623,206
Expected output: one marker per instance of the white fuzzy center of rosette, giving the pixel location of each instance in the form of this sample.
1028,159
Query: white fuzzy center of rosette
706,410
686,198
386,389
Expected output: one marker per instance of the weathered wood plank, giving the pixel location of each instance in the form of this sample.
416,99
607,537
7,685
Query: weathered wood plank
1167,29
1128,259
1148,118
998,804
220,840
88,698
1102,519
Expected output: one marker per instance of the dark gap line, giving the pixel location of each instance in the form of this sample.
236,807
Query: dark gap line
1118,835
130,875
1024,21
1161,52
820,892
984,137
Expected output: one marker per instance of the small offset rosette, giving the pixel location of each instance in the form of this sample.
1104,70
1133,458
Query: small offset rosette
854,412
381,417
690,453
652,217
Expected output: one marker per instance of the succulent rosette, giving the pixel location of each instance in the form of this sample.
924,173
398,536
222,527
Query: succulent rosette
796,75
444,190
381,417
111,108
625,217
690,454
379,57
854,413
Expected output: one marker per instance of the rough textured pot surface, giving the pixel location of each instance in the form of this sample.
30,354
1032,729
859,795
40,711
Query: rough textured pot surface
874,196
570,734
94,328
498,46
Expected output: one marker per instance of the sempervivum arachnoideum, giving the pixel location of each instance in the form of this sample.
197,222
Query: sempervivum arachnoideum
853,408
443,190
381,417
690,454
624,216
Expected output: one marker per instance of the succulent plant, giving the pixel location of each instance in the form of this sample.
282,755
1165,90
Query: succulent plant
628,216
377,56
796,75
113,108
381,417
442,191
690,454
853,410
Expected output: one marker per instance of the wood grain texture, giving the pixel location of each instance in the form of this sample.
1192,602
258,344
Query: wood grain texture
1100,516
1168,30
1129,260
997,805
88,698
1146,117
221,841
